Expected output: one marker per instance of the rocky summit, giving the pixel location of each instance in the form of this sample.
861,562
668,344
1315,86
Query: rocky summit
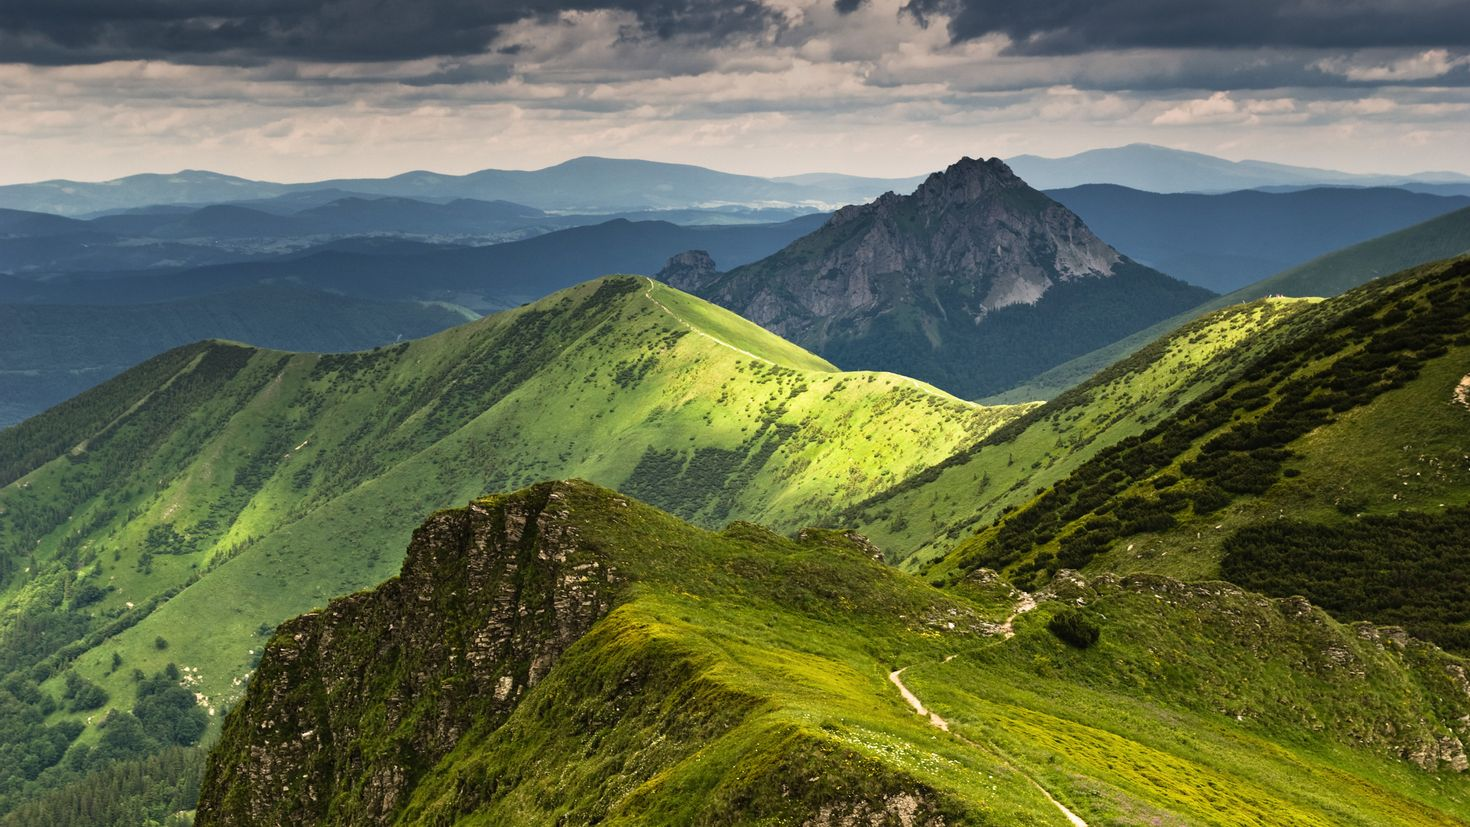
973,282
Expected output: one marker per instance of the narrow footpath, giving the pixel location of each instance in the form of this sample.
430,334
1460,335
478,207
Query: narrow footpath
1026,604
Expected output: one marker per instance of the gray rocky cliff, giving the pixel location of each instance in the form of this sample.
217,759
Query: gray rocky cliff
690,271
974,230
352,704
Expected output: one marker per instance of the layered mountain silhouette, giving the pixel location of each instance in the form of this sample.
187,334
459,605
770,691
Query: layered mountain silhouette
974,282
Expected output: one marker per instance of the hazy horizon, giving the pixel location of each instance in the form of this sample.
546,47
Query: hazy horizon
712,166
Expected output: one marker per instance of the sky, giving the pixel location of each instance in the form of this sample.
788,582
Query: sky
296,90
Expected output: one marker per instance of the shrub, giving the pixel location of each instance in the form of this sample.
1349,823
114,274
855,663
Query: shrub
82,693
1074,628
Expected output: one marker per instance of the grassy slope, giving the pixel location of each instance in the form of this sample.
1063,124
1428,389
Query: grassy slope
741,678
289,475
1328,275
1386,437
922,518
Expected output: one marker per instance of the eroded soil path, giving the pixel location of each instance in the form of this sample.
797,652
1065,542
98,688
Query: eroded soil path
1025,604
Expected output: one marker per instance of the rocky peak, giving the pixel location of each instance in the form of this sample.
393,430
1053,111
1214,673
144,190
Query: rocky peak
912,284
968,181
690,270
974,230
489,598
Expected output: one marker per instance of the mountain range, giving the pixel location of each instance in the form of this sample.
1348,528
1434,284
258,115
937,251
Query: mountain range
67,333
639,670
975,282
1228,241
585,184
1217,578
1162,169
198,490
603,185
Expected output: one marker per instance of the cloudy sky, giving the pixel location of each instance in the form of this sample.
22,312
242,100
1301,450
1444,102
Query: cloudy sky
306,89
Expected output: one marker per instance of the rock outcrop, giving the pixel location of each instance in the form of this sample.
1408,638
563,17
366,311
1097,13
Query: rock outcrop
352,704
689,271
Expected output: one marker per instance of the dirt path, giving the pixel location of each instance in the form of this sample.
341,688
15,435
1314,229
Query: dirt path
913,700
1025,604
1462,391
648,294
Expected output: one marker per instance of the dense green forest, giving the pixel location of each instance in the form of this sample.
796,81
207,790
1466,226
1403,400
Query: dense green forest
159,790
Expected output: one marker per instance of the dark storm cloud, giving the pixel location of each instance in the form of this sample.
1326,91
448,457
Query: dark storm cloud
62,32
1043,27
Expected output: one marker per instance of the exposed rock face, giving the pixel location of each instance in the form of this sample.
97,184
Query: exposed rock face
352,704
689,271
915,277
975,225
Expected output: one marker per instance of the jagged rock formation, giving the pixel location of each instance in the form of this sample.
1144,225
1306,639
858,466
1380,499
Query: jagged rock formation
688,270
356,702
975,282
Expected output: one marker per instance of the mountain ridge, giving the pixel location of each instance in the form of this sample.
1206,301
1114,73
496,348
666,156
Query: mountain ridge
255,456
587,182
1162,169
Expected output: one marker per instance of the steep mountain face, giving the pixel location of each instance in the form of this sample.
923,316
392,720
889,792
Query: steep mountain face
219,489
1332,465
567,655
973,282
496,591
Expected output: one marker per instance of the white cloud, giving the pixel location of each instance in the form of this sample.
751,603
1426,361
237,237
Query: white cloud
1427,65
1217,108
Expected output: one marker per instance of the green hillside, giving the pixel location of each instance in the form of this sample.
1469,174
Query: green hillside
926,515
1333,466
564,655
176,513
1329,275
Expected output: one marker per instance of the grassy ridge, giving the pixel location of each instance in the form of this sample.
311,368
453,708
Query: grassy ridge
228,488
50,353
741,678
921,518
1355,417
